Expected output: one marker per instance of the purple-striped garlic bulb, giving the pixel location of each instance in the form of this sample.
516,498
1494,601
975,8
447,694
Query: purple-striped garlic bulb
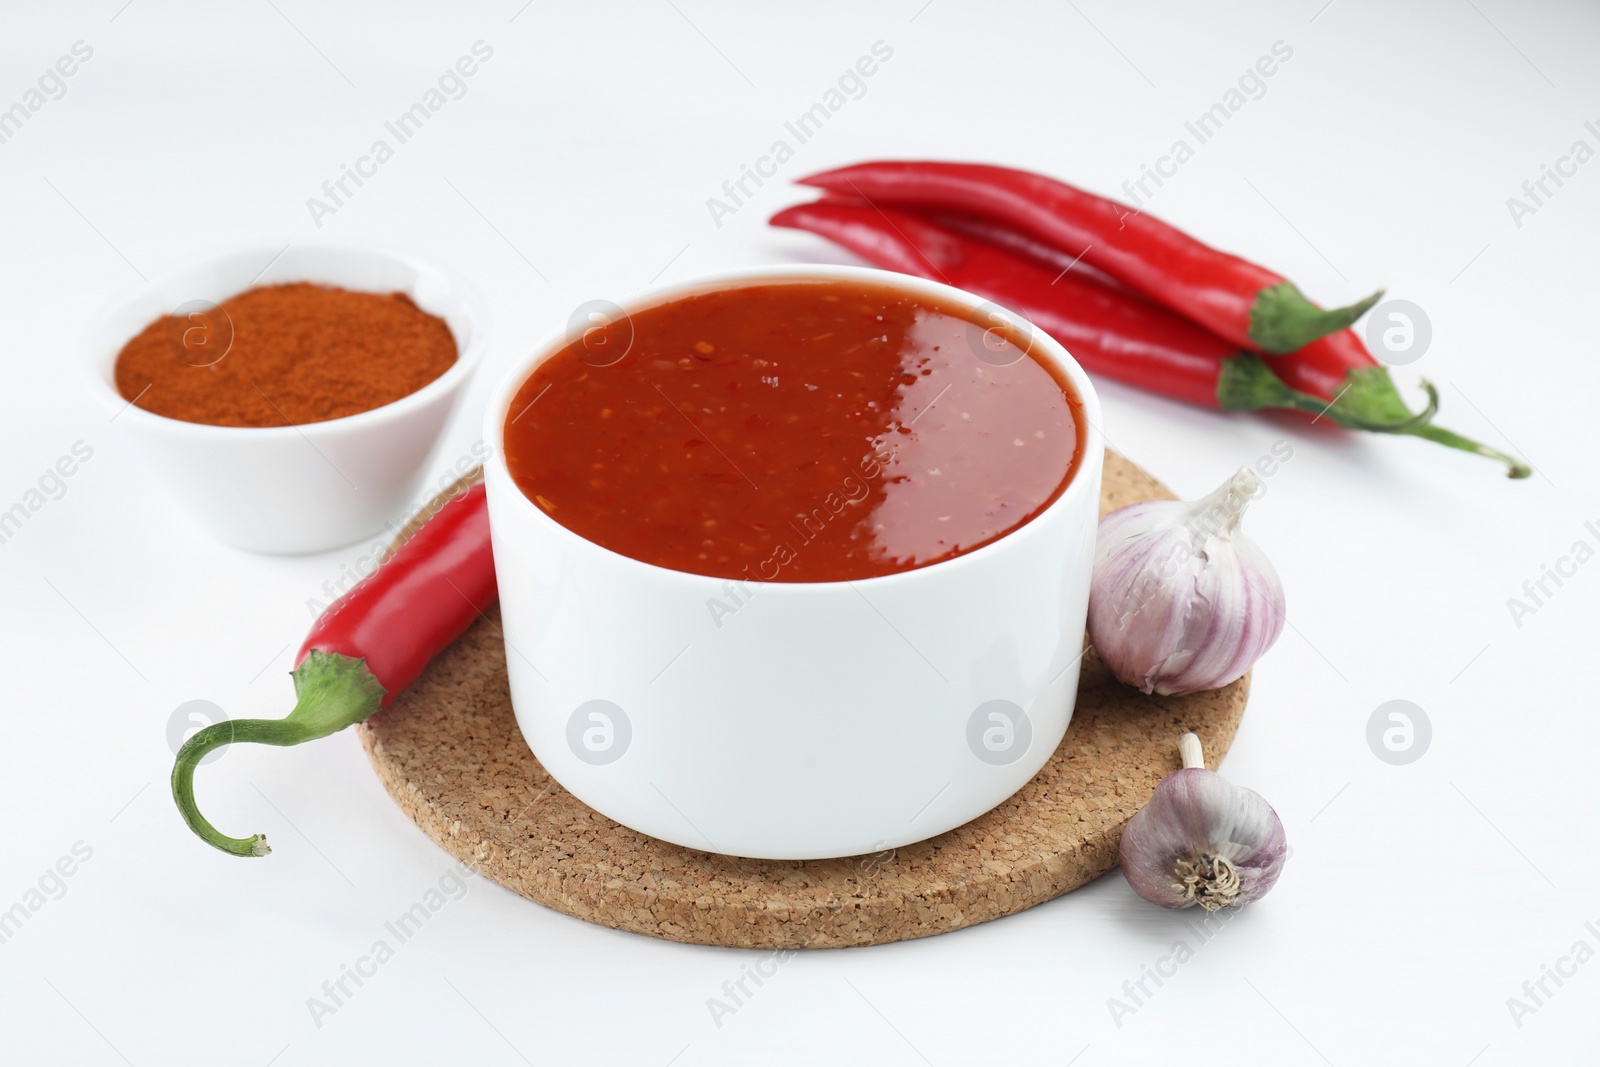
1202,840
1181,600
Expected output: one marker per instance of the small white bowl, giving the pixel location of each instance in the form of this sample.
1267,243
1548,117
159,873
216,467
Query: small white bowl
823,718
289,489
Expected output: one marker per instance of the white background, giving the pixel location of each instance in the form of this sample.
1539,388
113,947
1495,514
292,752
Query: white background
1418,899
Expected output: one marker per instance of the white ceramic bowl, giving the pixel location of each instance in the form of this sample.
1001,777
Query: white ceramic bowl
291,488
820,719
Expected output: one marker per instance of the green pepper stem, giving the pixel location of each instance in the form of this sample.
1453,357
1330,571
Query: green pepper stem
333,691
1356,417
1515,468
1367,401
1282,320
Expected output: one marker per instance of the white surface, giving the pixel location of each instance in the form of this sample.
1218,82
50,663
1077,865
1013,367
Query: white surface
1418,898
295,489
815,719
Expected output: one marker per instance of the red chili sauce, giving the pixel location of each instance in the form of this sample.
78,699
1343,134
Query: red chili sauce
794,432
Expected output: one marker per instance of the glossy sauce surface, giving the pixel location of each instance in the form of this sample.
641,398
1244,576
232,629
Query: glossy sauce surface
793,432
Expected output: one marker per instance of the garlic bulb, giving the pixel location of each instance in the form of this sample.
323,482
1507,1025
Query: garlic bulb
1202,840
1181,600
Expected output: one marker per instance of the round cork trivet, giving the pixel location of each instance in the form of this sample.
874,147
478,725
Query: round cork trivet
449,752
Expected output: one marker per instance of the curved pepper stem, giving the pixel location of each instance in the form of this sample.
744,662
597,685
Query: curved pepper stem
1283,320
333,691
1368,401
1515,468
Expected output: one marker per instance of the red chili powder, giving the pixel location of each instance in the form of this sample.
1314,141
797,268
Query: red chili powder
284,355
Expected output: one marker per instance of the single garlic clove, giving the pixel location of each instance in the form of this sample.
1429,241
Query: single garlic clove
1202,840
1181,600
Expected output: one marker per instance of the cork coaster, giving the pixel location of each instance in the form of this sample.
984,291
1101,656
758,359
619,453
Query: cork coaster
448,750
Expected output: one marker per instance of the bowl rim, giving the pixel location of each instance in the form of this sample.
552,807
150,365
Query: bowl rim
98,360
505,389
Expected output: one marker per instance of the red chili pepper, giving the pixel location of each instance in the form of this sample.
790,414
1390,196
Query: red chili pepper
1322,368
1116,334
366,647
1319,368
1000,236
1246,304
1076,231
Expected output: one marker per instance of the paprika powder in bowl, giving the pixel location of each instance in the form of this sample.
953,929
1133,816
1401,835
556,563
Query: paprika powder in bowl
284,449
794,562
